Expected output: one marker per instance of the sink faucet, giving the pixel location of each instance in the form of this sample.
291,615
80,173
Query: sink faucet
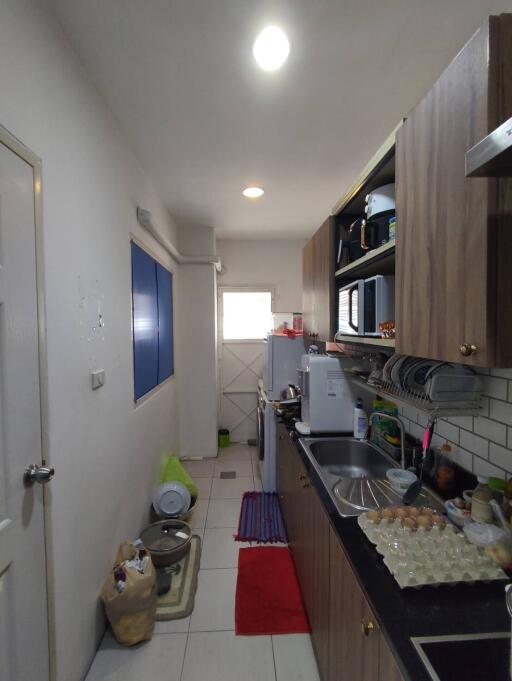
399,422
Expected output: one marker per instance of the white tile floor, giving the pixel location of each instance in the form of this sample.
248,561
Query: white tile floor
203,647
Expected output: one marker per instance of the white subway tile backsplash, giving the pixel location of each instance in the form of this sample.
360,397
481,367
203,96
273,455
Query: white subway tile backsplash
448,431
462,421
501,411
509,439
500,456
484,411
463,458
503,373
481,467
477,445
492,430
495,387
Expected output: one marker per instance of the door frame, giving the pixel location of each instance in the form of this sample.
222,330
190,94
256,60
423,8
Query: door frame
17,147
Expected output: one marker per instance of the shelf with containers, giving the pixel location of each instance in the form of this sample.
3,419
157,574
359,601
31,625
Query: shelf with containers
364,249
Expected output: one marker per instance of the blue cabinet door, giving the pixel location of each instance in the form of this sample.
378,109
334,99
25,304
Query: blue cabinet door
165,324
145,321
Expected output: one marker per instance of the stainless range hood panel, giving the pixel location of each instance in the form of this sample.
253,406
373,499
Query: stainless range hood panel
492,157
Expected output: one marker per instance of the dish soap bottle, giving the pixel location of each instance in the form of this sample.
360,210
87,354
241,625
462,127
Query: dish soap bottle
360,420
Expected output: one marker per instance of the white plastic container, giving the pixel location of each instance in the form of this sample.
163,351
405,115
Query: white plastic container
400,479
360,420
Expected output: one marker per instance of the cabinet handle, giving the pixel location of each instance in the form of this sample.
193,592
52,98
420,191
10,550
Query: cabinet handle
467,349
367,627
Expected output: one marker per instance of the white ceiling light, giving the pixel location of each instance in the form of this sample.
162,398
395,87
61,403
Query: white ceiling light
253,192
271,48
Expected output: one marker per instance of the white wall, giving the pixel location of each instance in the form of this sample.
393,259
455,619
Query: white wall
276,262
105,451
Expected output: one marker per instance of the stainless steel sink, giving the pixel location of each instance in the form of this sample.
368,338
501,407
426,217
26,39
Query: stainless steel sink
349,458
354,475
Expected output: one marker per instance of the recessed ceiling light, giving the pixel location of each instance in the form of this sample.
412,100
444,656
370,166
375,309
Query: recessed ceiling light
271,48
253,192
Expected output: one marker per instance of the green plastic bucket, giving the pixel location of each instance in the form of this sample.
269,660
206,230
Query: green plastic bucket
223,437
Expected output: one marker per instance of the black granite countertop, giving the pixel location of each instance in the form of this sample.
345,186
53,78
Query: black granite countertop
402,613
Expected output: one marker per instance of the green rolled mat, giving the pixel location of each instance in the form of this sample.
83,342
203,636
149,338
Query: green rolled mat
172,469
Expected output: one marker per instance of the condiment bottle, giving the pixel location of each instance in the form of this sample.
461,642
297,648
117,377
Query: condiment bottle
445,471
481,510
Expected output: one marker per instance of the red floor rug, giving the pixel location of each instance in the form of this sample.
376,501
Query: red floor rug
268,598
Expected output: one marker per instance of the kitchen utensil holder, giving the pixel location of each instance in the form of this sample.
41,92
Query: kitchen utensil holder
420,400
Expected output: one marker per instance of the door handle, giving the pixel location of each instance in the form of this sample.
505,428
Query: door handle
35,473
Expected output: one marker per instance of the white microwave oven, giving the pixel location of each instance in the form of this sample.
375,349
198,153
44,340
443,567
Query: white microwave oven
364,304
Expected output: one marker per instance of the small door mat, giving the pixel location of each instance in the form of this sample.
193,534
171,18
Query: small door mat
178,602
260,518
268,598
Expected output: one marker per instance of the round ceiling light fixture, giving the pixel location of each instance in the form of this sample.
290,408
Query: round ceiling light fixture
253,192
271,48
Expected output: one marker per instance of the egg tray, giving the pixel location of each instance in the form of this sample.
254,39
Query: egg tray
429,557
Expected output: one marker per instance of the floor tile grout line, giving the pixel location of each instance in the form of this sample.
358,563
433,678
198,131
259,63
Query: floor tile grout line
273,656
184,656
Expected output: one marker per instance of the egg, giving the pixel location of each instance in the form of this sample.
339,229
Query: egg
374,516
402,512
426,510
424,521
414,511
409,523
388,514
438,520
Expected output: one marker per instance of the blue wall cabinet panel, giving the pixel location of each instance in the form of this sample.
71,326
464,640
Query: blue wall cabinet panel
145,321
165,324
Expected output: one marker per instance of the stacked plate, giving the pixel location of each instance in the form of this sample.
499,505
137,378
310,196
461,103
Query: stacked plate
171,499
416,375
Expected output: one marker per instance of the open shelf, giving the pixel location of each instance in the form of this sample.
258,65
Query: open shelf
380,260
388,343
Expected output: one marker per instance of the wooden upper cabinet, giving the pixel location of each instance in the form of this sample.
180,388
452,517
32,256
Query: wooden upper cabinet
454,234
318,283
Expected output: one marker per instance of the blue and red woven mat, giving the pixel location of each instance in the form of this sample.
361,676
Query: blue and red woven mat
260,518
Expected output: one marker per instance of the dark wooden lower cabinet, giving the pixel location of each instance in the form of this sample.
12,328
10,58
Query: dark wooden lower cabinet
347,641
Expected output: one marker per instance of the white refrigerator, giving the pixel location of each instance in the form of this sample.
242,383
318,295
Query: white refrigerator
283,356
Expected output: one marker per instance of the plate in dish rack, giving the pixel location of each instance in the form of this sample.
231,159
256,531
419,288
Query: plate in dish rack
429,557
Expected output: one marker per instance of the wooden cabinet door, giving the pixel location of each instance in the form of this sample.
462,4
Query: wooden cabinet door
454,234
314,568
388,668
318,283
352,654
323,277
307,289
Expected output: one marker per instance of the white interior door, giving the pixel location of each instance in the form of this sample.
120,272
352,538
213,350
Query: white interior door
23,598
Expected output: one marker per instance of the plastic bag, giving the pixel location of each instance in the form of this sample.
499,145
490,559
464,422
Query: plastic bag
129,594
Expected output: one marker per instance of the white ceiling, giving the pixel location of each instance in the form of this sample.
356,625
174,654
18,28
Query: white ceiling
205,121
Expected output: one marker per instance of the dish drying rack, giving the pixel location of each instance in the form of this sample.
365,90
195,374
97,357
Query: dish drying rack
421,401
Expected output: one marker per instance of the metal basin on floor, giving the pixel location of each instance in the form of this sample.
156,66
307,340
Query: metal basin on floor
354,475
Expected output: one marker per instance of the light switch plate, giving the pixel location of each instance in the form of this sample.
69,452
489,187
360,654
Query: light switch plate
97,378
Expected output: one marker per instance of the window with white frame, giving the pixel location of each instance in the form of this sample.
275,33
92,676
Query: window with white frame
245,314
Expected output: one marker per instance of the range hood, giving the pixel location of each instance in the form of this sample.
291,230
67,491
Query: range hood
492,156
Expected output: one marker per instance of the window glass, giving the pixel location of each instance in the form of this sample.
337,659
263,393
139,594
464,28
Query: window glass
246,315
152,310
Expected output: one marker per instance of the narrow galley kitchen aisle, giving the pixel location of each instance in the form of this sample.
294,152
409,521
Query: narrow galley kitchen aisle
204,647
